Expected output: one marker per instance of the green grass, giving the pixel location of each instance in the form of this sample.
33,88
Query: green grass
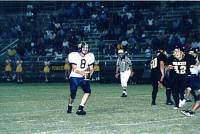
41,108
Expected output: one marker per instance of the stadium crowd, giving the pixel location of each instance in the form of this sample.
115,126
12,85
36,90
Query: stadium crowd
126,26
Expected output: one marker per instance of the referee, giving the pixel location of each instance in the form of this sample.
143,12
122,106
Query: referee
123,65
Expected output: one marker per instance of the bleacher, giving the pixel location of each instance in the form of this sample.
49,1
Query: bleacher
107,62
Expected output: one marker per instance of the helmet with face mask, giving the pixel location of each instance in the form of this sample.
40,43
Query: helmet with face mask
178,52
83,47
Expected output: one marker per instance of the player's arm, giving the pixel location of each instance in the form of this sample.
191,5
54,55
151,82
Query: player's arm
117,72
91,70
162,64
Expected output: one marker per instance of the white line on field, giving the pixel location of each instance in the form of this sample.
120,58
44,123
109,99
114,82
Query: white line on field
28,112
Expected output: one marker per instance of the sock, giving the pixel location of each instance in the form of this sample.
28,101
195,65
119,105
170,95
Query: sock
69,107
80,107
124,90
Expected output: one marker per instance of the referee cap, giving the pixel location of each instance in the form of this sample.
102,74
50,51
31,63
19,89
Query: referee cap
120,51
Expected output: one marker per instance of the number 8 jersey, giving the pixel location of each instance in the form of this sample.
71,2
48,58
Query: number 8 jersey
81,62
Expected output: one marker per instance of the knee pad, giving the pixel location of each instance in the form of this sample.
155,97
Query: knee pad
73,94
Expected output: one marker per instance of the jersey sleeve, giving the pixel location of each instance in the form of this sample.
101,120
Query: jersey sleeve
91,59
72,58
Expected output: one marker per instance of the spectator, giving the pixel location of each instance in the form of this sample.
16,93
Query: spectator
148,51
58,55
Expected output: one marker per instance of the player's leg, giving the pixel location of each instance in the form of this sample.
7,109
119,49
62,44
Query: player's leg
123,83
194,109
175,93
182,87
74,83
87,91
167,84
155,88
154,92
187,97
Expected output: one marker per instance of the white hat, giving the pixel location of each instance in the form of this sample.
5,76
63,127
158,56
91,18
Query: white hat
120,51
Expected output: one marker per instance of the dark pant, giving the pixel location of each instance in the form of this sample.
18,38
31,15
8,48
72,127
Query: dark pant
155,77
178,88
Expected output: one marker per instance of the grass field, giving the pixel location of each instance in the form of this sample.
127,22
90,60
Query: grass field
39,108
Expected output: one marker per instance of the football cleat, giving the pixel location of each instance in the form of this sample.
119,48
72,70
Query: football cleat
153,103
188,113
123,95
188,100
182,102
81,112
69,110
176,108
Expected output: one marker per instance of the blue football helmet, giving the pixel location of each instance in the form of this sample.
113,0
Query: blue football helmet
82,45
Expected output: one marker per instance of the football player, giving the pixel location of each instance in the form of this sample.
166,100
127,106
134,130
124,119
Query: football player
46,69
123,65
79,74
193,79
157,72
179,63
167,82
194,109
19,70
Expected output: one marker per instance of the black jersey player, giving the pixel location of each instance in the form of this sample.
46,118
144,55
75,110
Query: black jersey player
157,72
179,63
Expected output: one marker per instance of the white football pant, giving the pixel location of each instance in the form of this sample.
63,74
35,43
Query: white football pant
124,76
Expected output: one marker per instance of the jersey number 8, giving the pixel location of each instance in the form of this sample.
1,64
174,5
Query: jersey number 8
83,62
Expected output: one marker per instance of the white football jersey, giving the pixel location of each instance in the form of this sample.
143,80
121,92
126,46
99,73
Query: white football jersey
82,63
195,70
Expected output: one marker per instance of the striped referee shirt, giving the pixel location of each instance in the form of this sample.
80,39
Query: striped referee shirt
124,63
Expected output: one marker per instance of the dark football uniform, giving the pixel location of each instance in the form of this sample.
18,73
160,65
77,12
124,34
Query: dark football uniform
181,68
156,73
167,82
192,79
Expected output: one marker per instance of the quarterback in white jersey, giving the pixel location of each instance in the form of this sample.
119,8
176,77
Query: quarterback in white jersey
80,62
